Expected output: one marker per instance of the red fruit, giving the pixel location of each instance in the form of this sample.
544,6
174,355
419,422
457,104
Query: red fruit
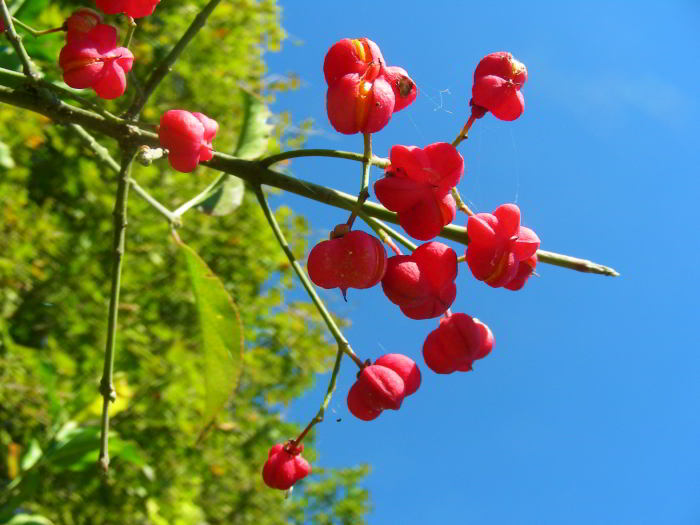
502,64
351,56
497,81
285,466
425,220
405,90
417,186
525,269
497,244
354,260
357,105
383,385
80,23
456,344
405,367
2,25
95,61
362,92
132,8
188,138
422,284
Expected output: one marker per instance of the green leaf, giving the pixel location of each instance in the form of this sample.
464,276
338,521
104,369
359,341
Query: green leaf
255,132
6,160
31,456
223,197
77,448
221,332
29,519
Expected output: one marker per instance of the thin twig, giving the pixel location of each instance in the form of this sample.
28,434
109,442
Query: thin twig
36,33
160,72
129,32
574,263
464,133
326,399
103,155
376,225
199,198
380,162
343,344
461,205
118,247
16,41
363,195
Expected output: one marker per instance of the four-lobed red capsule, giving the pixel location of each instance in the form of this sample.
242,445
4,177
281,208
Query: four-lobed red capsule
132,8
417,186
383,386
187,137
92,59
363,92
285,466
456,344
497,81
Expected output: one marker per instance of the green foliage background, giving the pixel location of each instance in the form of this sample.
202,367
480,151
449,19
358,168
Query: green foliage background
55,238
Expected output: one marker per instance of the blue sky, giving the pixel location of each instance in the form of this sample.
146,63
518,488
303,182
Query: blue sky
587,409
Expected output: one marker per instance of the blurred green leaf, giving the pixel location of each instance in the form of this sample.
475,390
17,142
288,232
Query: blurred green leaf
31,456
221,332
224,196
75,448
29,519
6,160
25,490
255,132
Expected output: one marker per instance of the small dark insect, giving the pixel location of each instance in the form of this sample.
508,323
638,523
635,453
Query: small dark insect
405,86
339,420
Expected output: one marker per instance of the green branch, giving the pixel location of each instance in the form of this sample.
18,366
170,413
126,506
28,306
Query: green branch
378,225
36,33
363,195
343,344
129,32
16,41
118,247
326,399
160,72
251,171
103,155
349,155
574,263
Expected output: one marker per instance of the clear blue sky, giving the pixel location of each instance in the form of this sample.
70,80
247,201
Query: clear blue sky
587,411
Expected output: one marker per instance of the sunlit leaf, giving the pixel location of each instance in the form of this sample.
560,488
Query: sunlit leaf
6,160
31,456
76,448
224,196
29,519
221,333
255,132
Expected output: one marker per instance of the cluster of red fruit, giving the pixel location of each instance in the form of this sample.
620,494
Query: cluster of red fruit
91,57
362,95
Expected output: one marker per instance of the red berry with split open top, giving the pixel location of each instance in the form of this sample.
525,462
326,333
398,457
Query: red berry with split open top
188,138
285,466
383,386
497,81
422,284
348,260
456,344
362,92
